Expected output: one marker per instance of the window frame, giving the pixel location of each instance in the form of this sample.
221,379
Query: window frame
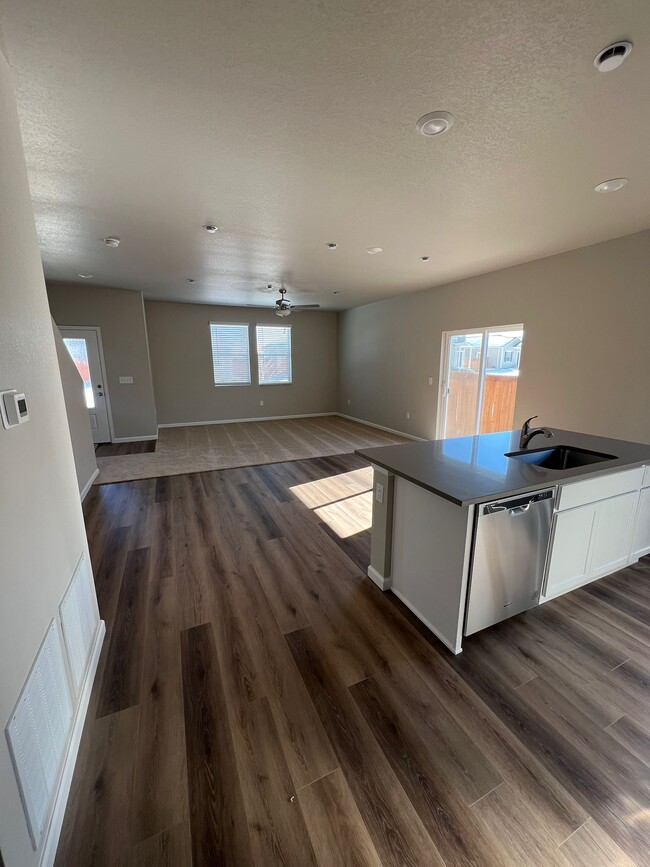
257,352
245,325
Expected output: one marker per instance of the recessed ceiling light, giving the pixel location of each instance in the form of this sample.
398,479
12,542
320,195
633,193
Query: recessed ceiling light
332,245
209,227
611,57
611,186
336,292
86,276
425,258
112,242
373,250
434,123
191,280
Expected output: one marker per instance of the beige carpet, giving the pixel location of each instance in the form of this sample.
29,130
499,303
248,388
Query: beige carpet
222,446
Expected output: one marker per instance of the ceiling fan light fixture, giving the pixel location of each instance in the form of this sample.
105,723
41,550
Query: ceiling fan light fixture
283,311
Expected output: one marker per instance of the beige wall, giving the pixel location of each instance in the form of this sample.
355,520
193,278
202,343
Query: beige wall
81,436
119,313
41,525
586,352
181,358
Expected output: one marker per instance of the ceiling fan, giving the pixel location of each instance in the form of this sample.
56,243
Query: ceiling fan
283,307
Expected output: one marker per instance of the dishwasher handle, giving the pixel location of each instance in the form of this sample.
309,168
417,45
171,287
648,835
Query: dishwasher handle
518,506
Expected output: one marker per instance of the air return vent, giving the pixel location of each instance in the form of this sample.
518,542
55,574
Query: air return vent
79,620
38,732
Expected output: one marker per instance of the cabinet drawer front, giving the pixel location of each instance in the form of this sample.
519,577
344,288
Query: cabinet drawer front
601,488
646,477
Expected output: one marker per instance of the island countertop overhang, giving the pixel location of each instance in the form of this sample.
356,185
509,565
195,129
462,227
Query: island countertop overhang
469,470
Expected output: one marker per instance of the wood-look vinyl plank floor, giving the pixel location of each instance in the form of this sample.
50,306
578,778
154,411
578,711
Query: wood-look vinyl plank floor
259,701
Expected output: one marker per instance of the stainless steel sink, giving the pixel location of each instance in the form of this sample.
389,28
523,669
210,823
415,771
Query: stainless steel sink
560,457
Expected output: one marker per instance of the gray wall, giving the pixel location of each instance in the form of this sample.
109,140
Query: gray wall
81,435
586,351
42,532
181,358
119,313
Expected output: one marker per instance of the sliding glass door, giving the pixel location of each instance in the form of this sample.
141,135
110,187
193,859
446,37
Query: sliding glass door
478,385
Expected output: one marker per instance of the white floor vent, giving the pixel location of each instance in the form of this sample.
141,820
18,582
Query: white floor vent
38,731
79,620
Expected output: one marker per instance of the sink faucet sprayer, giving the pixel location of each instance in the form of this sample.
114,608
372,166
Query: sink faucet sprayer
527,433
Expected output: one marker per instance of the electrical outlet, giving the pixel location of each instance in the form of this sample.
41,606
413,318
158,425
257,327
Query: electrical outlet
261,403
430,380
379,493
408,415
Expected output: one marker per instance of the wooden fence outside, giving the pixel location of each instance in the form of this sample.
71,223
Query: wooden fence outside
499,394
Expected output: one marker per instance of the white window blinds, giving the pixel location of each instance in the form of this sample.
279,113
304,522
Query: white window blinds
274,354
230,354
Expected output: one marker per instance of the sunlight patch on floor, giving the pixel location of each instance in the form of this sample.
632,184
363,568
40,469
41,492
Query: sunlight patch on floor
348,517
343,501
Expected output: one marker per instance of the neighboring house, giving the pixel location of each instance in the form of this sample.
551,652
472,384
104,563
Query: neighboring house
503,354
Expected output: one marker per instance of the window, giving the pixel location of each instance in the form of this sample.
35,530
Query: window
479,381
274,354
230,353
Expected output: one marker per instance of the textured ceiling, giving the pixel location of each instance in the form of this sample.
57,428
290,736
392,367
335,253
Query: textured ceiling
291,124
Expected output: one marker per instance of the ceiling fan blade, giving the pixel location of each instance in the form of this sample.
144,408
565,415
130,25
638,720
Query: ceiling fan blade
304,306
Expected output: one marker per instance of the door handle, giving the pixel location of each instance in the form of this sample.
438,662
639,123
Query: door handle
519,510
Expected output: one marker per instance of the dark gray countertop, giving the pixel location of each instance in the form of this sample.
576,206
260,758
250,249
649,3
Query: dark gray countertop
474,469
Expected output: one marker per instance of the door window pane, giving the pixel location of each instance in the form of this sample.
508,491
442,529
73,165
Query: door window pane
480,381
76,346
501,377
464,364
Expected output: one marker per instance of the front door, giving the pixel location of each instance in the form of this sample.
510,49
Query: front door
84,348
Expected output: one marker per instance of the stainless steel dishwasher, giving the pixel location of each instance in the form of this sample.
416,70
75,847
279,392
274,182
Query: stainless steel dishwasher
510,548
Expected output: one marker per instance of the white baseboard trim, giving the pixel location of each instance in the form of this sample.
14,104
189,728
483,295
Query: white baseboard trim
382,427
424,620
135,439
53,833
84,491
379,580
239,420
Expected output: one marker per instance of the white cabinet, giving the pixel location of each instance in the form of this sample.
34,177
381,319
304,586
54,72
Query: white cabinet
641,541
593,539
571,548
612,536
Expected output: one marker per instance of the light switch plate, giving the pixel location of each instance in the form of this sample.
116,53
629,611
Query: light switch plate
379,492
126,380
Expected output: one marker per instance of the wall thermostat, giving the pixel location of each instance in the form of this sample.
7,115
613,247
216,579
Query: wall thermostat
13,408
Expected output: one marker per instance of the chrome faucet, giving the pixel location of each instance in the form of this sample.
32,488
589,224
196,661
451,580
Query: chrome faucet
527,433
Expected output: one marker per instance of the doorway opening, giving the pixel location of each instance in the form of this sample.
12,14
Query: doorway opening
85,348
478,380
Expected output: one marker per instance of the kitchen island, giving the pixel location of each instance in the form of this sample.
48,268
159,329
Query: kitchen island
427,498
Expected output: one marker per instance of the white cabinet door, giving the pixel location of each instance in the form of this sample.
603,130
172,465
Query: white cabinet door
571,549
612,536
641,543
